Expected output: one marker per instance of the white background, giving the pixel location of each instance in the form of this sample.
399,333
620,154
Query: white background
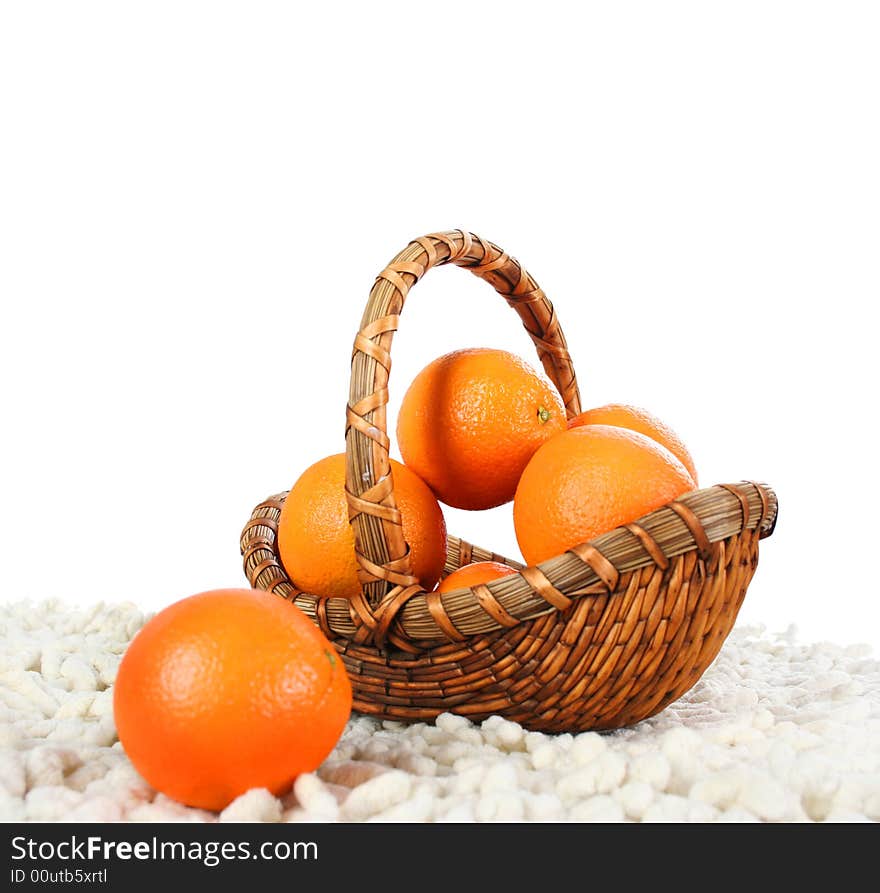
195,199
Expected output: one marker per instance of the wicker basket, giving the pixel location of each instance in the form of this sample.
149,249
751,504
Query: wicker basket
599,637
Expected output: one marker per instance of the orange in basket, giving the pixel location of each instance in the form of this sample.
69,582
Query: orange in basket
474,574
637,419
315,540
589,480
470,422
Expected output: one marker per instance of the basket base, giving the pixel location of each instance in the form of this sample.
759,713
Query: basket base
611,660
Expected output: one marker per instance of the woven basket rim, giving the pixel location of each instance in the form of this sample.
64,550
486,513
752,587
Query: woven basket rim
693,523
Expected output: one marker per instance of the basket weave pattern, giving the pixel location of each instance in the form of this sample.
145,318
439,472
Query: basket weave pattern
602,636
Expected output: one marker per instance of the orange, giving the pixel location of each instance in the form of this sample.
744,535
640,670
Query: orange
229,690
637,419
471,420
587,481
316,542
474,574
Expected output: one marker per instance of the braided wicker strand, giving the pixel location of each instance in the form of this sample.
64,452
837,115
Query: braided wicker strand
651,542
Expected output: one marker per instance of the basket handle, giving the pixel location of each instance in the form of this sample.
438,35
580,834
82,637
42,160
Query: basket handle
380,548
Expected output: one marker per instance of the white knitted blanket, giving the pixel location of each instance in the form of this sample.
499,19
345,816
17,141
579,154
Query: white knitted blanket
775,731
